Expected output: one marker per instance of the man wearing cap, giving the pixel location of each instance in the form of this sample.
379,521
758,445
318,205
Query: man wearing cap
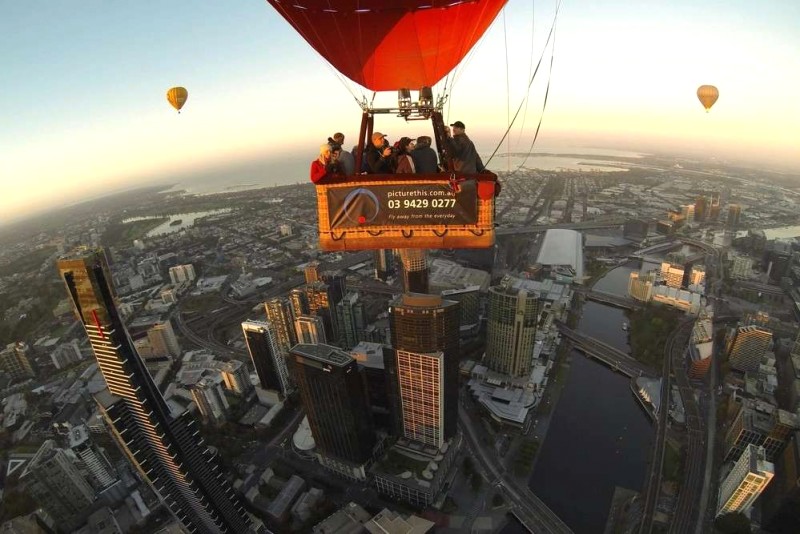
461,149
379,155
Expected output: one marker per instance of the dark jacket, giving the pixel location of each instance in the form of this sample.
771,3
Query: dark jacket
425,159
465,158
376,163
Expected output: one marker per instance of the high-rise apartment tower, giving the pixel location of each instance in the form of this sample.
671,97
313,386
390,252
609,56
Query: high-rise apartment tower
423,366
165,449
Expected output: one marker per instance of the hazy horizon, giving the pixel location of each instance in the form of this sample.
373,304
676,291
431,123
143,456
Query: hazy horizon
84,105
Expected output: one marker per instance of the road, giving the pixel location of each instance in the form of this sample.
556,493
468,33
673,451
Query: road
588,225
686,509
653,486
531,511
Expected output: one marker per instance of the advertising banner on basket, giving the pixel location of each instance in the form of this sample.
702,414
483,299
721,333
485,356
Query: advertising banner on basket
402,204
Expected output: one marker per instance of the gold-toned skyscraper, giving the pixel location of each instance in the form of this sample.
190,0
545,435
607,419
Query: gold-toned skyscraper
165,449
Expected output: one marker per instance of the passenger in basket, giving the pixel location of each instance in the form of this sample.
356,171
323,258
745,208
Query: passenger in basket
459,147
378,155
425,159
345,158
405,164
324,166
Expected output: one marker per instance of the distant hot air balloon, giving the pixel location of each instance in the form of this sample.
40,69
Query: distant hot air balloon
177,97
707,94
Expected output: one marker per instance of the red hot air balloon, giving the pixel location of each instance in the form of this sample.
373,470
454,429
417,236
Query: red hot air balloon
386,45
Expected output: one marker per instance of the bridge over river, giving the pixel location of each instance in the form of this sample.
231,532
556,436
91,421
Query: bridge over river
614,358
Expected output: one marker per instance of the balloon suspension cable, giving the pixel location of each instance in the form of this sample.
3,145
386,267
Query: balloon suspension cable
550,37
508,89
346,85
530,71
461,67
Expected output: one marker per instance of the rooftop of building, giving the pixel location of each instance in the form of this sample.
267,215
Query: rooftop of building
701,351
289,492
389,522
508,404
414,463
562,247
445,274
349,519
323,353
368,354
547,289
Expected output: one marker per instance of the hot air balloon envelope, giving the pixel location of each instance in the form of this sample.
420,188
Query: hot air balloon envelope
707,94
387,46
177,97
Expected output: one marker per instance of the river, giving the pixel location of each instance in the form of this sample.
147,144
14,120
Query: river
599,437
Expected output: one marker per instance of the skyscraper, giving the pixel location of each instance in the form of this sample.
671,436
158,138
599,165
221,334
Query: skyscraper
423,367
414,265
181,273
310,329
335,400
165,449
640,286
163,341
352,319
734,214
14,360
750,475
56,484
384,263
268,358
469,299
511,331
713,209
687,212
210,399
280,316
101,472
66,354
783,495
311,272
299,302
421,386
697,275
236,377
747,347
700,208
337,288
672,273
322,304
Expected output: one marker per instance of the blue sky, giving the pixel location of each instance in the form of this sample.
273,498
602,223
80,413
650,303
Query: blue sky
83,82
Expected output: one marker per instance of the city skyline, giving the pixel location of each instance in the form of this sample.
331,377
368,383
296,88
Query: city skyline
88,82
540,399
